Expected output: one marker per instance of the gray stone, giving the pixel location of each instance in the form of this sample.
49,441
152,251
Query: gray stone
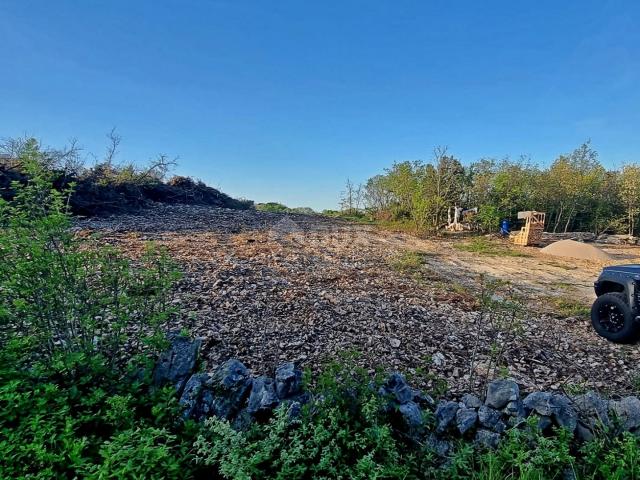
540,402
178,363
471,401
487,438
563,412
192,395
583,433
438,359
445,414
412,419
466,419
544,423
491,419
593,415
396,388
515,409
230,385
423,400
288,380
501,392
440,447
626,412
263,398
592,410
556,406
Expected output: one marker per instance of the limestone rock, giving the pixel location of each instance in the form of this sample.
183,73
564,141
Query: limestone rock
396,388
627,412
491,419
471,401
445,414
288,380
263,398
501,392
487,438
176,365
466,419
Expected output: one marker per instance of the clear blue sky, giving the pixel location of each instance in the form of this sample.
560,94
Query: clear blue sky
283,100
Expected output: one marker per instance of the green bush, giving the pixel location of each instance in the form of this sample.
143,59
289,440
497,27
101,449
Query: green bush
342,434
80,418
61,295
145,452
74,402
273,207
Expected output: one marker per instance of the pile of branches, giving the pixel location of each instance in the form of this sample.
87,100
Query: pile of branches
107,188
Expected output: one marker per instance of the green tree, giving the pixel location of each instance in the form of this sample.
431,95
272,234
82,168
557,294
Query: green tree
630,193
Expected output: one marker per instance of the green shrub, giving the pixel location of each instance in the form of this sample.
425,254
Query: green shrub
273,207
146,452
341,434
85,419
73,317
527,454
611,457
61,295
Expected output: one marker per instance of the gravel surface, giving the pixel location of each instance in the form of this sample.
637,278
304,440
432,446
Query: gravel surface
266,288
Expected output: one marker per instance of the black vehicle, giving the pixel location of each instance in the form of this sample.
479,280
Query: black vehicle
615,314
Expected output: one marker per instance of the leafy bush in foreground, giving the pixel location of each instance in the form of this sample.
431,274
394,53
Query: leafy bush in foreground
60,295
74,318
80,419
342,435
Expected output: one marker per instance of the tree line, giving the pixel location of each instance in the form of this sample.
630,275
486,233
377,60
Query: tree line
576,191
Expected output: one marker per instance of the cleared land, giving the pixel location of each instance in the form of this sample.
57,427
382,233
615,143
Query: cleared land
269,287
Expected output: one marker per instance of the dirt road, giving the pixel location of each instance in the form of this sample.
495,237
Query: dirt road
268,287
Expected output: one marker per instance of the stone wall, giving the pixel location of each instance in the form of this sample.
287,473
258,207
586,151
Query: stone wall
232,393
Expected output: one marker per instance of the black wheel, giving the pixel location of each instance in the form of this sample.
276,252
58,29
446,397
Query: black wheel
613,319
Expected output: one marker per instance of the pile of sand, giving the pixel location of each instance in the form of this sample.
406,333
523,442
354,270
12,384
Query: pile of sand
573,249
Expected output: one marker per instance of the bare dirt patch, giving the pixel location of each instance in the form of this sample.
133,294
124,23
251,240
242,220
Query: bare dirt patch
267,287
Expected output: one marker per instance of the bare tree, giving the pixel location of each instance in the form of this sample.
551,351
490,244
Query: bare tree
159,168
112,148
358,197
347,198
67,159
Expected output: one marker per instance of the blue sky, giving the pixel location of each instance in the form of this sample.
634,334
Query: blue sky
283,100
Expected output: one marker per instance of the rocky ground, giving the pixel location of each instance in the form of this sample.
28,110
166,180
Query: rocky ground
268,288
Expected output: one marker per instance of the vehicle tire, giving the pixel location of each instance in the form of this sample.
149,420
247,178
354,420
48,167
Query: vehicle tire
613,318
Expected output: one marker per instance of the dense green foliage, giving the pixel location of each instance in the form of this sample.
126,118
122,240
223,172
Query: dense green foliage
77,322
342,436
63,296
576,191
275,207
80,418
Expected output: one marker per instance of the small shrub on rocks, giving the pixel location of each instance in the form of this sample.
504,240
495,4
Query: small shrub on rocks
340,434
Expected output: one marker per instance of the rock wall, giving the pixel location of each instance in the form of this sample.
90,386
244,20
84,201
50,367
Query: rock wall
232,393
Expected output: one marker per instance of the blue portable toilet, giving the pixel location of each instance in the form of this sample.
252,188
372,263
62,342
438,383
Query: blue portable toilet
504,227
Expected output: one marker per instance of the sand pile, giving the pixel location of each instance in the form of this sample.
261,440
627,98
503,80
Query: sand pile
573,249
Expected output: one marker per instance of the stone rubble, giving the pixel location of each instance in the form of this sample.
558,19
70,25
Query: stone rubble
233,394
